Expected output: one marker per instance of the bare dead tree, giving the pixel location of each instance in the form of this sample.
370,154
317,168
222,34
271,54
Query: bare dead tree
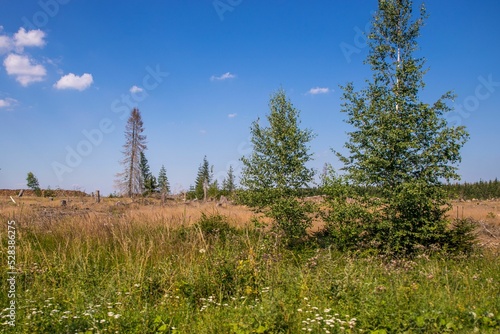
129,181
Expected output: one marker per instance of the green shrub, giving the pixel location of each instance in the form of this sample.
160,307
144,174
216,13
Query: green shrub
406,220
49,193
292,217
214,225
461,237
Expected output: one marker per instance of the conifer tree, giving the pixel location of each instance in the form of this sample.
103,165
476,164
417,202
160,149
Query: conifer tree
163,184
203,178
130,181
145,170
229,183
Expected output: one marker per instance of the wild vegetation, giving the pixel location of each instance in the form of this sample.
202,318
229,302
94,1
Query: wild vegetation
385,256
180,269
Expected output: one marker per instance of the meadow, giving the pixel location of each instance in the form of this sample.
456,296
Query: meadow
146,268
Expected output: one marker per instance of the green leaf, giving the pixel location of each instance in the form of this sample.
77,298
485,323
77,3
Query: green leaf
261,329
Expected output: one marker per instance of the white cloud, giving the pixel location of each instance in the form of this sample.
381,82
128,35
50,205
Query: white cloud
7,102
23,68
135,89
29,38
232,115
225,76
21,39
5,44
72,81
318,90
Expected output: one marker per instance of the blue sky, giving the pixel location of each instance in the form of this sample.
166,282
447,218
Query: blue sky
202,71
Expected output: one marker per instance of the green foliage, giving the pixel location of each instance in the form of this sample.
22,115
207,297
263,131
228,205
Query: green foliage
214,225
144,167
229,183
350,222
291,216
149,182
401,146
213,190
461,237
407,224
150,185
481,190
276,170
203,178
49,192
32,183
163,184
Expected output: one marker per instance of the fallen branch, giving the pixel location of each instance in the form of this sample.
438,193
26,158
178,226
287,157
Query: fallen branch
489,232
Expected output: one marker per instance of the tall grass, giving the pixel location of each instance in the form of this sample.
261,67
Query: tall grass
150,272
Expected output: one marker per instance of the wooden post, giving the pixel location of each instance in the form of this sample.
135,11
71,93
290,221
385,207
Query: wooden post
97,196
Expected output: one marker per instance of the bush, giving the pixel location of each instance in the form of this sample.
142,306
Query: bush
408,222
461,237
214,225
49,193
292,217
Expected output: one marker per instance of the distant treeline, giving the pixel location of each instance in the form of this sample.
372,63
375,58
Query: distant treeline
478,190
44,192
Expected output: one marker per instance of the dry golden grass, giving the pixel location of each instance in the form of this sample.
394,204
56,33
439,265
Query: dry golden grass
487,216
177,213
173,212
478,210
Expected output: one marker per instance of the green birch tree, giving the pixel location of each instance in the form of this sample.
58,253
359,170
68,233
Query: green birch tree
276,171
400,145
32,183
